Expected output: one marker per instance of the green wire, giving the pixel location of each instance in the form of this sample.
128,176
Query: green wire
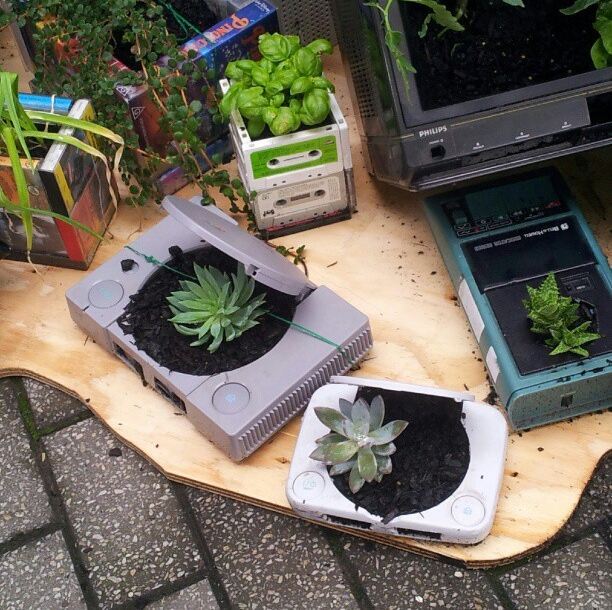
184,23
307,331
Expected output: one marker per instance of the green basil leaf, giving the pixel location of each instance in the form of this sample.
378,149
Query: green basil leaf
255,127
247,95
233,72
320,46
269,114
578,6
274,47
254,108
260,76
277,100
285,76
296,106
307,63
317,105
273,87
601,58
320,82
246,65
266,65
284,122
294,43
230,99
604,27
302,85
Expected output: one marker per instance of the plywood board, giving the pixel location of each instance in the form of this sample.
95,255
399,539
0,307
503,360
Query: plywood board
385,262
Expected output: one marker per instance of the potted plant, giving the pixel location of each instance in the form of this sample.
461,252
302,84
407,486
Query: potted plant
564,323
53,214
166,98
445,92
399,459
290,137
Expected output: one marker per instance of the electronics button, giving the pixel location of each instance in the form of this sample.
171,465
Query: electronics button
468,511
308,485
105,294
231,398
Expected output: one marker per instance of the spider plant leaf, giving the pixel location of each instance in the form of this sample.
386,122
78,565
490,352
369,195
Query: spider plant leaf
21,184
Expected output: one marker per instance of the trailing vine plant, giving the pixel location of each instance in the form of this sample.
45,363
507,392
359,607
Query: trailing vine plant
86,35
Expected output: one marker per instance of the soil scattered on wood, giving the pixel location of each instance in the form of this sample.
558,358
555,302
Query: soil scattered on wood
501,49
146,319
432,456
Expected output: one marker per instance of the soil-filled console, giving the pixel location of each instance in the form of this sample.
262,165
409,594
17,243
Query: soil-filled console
498,238
447,469
237,409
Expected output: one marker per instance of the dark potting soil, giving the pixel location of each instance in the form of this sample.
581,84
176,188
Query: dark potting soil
431,460
146,319
501,49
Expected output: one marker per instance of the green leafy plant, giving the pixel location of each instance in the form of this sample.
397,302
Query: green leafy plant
601,52
216,308
284,90
358,442
19,129
555,317
87,34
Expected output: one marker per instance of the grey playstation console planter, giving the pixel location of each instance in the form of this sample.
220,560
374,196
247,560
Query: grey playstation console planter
238,410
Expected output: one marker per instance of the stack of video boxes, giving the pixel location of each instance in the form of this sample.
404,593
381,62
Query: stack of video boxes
65,180
301,180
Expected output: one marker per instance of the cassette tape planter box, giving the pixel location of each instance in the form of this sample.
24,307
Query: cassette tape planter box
240,395
446,472
302,179
64,180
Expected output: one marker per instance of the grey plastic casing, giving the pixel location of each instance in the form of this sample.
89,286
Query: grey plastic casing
241,409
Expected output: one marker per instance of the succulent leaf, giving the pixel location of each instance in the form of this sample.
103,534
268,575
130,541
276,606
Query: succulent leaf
366,461
335,453
346,407
216,308
360,416
388,449
377,412
383,465
332,437
343,468
331,418
356,481
388,432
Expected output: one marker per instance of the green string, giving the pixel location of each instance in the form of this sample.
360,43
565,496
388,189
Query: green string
307,331
185,25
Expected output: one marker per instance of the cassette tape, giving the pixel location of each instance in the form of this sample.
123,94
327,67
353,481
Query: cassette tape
296,207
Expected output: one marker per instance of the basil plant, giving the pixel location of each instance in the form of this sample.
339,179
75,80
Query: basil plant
282,91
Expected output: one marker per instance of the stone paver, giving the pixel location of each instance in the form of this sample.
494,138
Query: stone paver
50,405
270,561
195,597
39,576
576,577
396,580
596,502
23,501
127,520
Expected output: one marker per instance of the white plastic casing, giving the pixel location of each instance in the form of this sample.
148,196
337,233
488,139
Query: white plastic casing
466,517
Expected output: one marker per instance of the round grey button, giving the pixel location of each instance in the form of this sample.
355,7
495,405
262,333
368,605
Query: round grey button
308,485
231,398
468,511
105,294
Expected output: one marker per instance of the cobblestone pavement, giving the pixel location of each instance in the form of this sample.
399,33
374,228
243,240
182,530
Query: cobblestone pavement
87,523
